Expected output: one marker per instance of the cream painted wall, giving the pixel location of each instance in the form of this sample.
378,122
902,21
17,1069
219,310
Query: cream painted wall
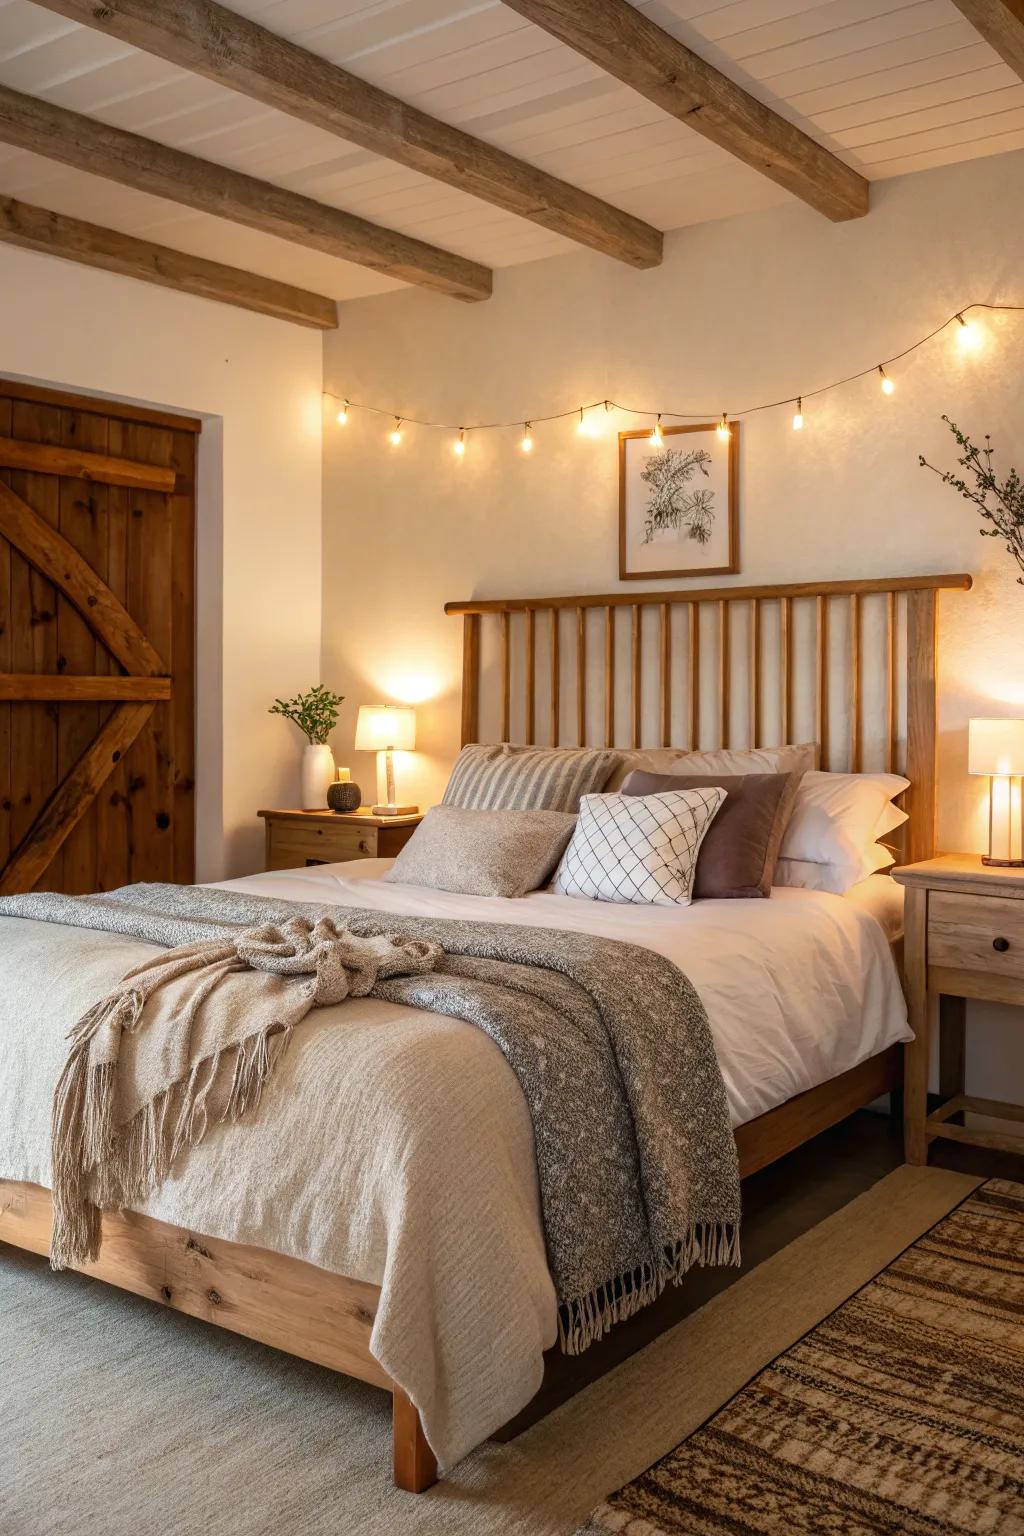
256,382
761,307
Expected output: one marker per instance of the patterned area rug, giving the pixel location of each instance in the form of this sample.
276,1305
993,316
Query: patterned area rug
902,1412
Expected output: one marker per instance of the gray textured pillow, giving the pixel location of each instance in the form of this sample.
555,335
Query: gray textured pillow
508,778
483,853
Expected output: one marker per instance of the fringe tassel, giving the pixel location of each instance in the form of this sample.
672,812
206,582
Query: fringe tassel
585,1319
98,1166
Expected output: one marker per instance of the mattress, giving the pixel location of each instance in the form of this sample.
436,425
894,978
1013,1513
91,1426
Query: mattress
395,1146
798,988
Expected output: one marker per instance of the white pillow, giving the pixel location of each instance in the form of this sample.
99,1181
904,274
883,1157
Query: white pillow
638,848
831,842
838,878
891,818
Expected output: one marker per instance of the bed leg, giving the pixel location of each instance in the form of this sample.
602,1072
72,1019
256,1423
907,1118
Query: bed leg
415,1466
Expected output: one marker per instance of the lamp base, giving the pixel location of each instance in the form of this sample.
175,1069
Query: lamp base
1002,863
396,810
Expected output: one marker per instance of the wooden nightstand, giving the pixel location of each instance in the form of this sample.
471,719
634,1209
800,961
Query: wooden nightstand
295,838
963,938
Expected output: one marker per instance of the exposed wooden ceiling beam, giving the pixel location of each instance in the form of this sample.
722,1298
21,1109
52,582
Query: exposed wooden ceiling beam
54,234
627,44
141,163
1001,23
211,40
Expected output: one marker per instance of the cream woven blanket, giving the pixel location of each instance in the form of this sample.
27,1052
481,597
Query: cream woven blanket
187,1037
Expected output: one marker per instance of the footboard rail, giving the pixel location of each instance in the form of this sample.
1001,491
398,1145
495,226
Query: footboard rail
277,1300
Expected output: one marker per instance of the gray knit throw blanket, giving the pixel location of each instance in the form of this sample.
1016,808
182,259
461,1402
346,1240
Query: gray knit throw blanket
609,1041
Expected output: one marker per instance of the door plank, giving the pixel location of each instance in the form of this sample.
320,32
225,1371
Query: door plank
62,687
5,666
55,459
72,798
82,513
150,600
59,562
34,774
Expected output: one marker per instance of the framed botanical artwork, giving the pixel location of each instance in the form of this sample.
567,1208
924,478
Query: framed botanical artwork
679,502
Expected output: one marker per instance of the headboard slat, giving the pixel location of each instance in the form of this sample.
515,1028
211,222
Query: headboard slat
787,672
609,676
531,674
855,682
785,666
822,642
581,677
665,651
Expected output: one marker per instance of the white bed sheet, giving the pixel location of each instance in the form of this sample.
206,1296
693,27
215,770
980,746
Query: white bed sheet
798,988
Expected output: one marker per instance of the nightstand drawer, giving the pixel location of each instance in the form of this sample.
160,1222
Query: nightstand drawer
291,845
976,933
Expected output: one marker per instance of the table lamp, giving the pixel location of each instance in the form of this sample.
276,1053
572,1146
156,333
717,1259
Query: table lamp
996,748
387,728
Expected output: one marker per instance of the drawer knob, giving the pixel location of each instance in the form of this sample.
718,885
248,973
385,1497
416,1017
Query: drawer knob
1001,944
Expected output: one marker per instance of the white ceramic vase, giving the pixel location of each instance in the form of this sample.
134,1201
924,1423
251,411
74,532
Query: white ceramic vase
317,773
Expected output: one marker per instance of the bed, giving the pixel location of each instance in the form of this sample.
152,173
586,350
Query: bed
446,1245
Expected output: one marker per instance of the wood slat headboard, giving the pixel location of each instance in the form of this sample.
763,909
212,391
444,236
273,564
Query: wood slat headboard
849,664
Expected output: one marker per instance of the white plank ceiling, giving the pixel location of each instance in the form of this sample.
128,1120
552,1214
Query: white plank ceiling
891,87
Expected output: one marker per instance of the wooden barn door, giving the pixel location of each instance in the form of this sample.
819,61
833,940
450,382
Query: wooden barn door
97,648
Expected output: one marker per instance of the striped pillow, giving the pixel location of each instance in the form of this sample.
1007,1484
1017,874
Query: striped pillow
506,778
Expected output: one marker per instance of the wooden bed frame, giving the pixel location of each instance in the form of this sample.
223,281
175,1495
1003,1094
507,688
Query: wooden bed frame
328,1318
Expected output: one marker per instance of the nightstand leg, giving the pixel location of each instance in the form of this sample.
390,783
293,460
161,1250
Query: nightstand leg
915,1061
952,1046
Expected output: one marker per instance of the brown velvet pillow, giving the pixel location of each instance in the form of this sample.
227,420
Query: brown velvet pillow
741,846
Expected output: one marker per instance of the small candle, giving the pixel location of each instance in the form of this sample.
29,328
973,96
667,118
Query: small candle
344,776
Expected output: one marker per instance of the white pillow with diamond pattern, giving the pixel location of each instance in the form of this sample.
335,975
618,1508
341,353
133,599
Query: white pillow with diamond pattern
638,848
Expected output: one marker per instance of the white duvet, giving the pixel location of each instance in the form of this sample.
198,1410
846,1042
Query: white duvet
395,1146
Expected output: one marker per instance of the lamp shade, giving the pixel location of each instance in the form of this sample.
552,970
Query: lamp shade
385,727
995,747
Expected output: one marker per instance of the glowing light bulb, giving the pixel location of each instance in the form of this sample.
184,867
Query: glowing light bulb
657,435
459,445
395,435
798,419
888,386
342,416
968,335
585,426
526,441
723,429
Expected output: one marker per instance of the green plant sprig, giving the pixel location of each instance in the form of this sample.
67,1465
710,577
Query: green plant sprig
315,713
1007,513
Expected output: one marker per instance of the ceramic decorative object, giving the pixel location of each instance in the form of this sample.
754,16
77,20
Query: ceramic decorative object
317,776
316,714
344,797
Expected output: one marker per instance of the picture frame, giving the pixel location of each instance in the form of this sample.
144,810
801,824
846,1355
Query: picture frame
679,503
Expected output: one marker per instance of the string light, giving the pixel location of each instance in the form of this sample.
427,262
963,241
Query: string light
969,335
459,445
591,422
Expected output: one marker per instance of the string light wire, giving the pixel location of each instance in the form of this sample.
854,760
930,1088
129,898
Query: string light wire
580,412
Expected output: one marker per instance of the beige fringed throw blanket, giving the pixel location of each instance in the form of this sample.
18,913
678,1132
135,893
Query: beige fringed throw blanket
636,1160
207,1020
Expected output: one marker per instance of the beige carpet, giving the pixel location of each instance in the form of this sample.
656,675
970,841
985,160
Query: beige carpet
117,1417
